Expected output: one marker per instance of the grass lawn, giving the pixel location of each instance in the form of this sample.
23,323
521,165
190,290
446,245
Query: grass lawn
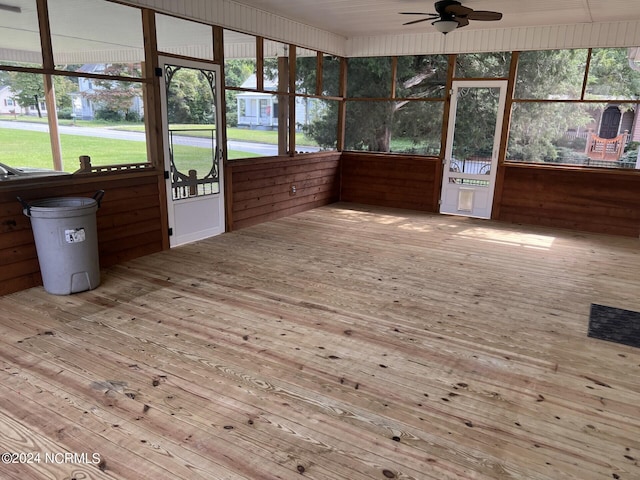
22,148
235,134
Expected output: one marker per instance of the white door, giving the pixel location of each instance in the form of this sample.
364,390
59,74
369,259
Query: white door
471,153
193,154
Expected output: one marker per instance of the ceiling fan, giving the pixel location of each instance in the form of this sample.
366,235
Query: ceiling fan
451,15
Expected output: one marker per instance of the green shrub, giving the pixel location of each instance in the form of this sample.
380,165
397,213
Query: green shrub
109,115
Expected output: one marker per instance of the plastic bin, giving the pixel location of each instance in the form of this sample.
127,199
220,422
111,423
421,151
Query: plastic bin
66,239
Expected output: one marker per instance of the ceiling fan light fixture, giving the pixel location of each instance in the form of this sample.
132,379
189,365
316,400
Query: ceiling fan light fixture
445,26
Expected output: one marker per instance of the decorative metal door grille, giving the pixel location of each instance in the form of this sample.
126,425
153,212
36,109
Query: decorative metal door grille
191,114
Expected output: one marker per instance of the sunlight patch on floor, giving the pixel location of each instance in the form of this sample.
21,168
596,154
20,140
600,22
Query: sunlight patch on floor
526,240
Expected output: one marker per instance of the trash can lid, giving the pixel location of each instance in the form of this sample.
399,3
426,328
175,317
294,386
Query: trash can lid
61,207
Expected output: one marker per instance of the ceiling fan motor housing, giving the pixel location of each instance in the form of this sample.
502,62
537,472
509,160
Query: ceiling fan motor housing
443,4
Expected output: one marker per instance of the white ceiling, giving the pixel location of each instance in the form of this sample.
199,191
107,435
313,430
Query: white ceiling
354,18
94,28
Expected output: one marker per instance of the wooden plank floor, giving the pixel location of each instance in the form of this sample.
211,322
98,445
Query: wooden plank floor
347,342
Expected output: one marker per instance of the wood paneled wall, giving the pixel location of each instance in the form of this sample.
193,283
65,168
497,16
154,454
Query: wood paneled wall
601,201
132,219
130,222
398,181
261,188
596,200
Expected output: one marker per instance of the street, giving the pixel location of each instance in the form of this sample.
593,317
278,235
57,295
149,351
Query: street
263,149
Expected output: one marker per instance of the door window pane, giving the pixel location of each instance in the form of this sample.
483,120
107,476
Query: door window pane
192,121
475,125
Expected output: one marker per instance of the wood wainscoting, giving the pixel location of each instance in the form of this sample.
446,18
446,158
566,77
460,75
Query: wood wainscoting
130,222
342,343
268,188
398,181
590,200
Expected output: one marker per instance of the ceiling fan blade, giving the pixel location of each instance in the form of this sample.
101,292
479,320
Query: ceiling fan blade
418,21
418,13
462,21
458,10
484,15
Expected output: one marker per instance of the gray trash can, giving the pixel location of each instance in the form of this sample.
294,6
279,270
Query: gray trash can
66,242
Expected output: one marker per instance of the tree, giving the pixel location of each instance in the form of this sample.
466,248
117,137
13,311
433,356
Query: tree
371,125
63,86
537,128
5,78
29,91
115,98
610,74
190,97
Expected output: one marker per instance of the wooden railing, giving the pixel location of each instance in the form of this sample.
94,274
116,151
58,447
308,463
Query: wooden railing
86,167
606,148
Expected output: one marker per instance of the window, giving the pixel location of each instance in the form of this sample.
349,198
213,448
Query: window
252,112
422,76
369,77
84,42
483,65
83,37
239,59
411,121
394,126
614,74
306,71
317,122
554,121
20,36
276,56
551,74
25,139
316,117
183,37
330,76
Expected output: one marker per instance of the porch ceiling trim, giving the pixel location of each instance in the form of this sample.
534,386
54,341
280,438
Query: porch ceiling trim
247,19
584,35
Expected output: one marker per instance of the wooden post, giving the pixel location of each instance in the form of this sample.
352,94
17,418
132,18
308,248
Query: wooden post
283,105
52,118
587,147
153,115
259,64
85,163
292,100
193,187
342,107
504,136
